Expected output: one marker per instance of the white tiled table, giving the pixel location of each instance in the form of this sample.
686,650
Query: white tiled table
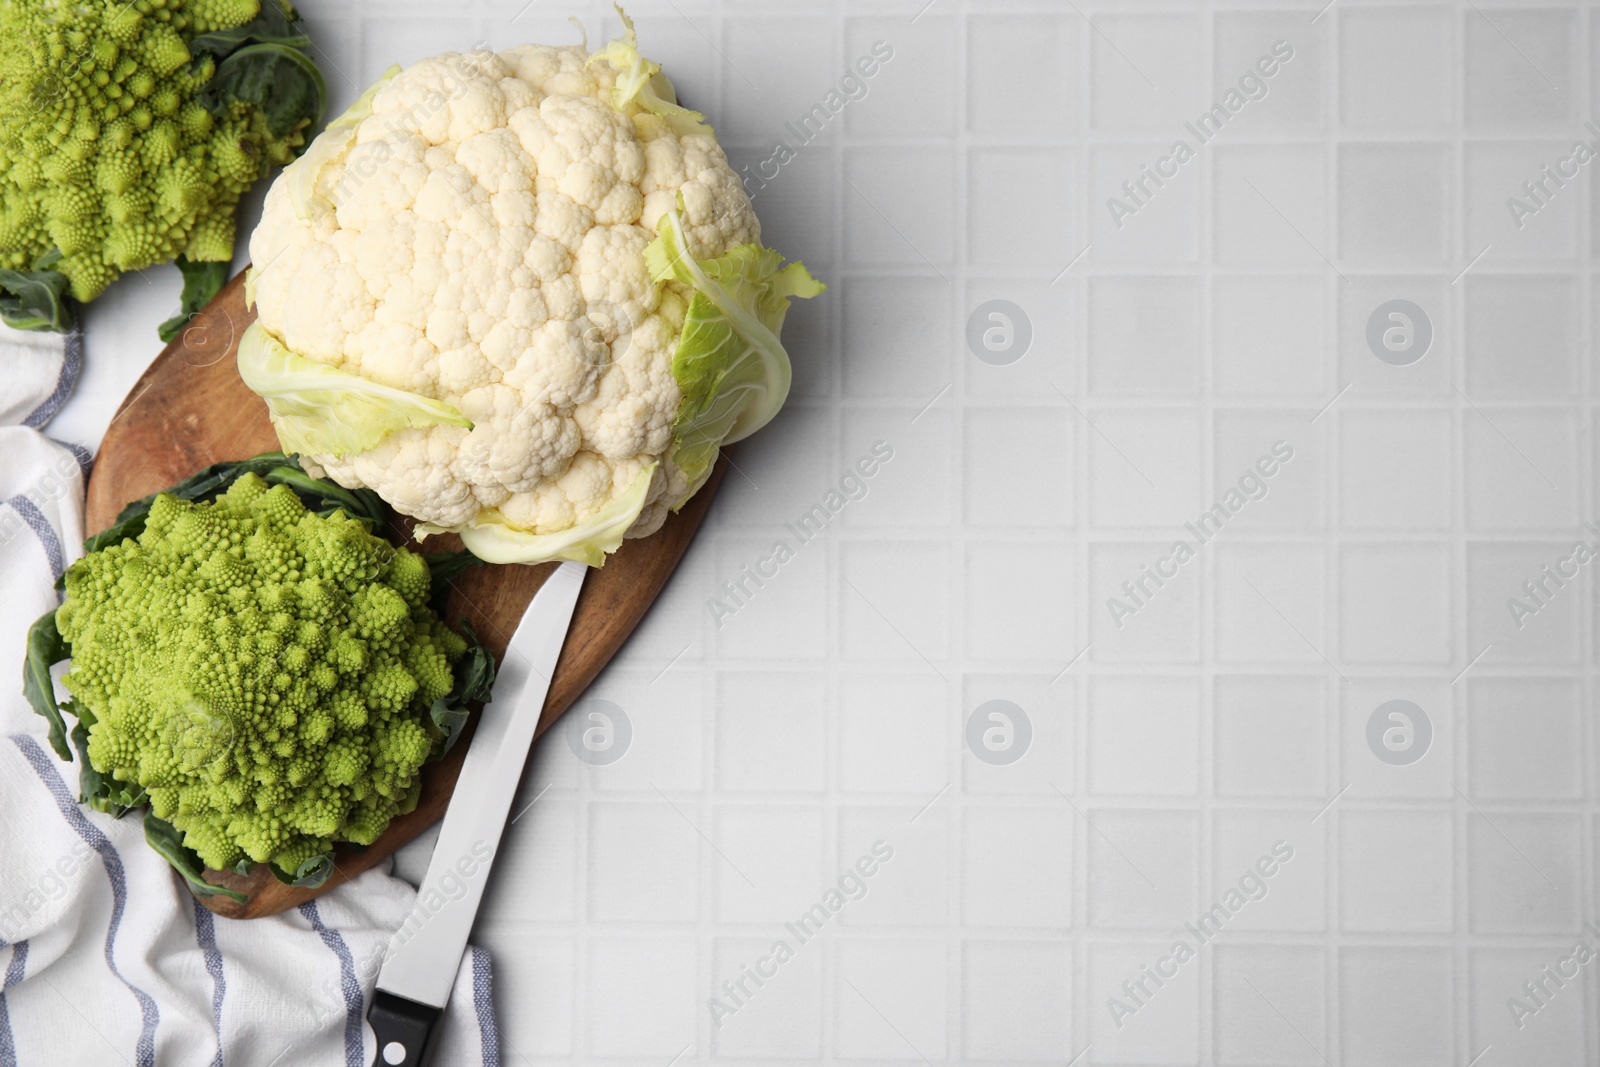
1228,712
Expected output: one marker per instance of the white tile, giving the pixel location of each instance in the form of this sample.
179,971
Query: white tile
1395,67
1269,601
1016,215
785,616
1243,49
772,732
889,607
1152,1024
1144,736
642,996
1523,334
1020,602
1145,71
913,91
1023,72
1269,469
644,863
899,205
1047,766
1271,1005
1518,74
1554,1032
1269,871
1144,466
664,748
398,39
792,59
534,989
1269,335
1394,603
1020,467
1361,300
1395,470
1433,774
897,337
1055,316
1269,736
894,733
1162,626
1144,206
1544,225
1396,871
1017,866
768,863
1523,874
888,994
1394,200
1397,1007
785,463
911,464
790,192
1525,738
1144,335
1143,867
909,883
779,1019
1517,610
1521,467
536,863
1016,1000
1268,206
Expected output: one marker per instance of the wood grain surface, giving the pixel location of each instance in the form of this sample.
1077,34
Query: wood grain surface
190,409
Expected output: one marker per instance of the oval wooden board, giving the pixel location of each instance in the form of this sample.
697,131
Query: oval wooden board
190,409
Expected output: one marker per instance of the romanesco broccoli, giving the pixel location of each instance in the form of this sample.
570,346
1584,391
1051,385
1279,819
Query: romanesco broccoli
264,673
132,130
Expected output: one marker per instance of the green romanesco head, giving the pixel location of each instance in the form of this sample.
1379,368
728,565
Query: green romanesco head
263,672
108,157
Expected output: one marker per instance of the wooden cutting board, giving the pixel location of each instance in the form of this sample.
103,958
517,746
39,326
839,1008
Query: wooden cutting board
190,410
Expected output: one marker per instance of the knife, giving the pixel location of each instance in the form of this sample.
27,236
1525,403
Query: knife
424,955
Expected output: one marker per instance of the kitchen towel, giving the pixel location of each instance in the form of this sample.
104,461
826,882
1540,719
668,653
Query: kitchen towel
104,956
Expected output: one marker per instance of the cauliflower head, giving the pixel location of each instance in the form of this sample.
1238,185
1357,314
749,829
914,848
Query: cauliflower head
262,673
520,295
132,127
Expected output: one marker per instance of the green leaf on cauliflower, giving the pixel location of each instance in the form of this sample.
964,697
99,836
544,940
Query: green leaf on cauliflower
46,647
321,410
167,840
201,282
495,541
730,365
639,81
300,177
35,300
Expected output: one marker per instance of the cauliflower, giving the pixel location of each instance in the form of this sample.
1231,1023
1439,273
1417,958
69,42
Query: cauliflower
266,677
520,295
133,127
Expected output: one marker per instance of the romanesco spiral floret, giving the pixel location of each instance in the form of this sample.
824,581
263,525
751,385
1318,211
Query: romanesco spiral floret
263,672
143,158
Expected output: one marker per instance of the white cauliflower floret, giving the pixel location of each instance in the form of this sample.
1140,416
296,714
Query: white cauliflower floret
474,232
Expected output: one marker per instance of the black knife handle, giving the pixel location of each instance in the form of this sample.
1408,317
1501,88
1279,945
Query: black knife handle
405,1030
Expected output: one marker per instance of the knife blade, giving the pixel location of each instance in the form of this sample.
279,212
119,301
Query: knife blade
424,955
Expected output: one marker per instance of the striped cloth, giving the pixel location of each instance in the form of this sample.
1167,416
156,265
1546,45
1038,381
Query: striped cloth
104,957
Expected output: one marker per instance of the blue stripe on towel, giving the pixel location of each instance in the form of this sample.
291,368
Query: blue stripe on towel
205,933
145,1051
47,535
71,365
14,973
483,1005
354,1013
